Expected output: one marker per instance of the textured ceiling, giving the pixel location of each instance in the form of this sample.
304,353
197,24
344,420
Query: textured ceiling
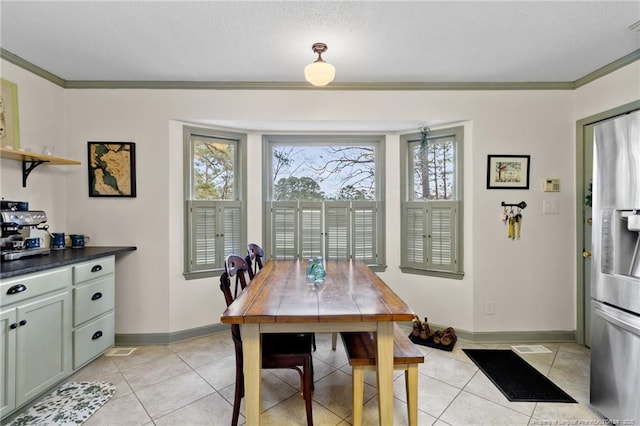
388,42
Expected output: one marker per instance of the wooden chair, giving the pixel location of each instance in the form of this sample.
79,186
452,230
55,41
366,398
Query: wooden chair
279,350
236,263
361,351
255,254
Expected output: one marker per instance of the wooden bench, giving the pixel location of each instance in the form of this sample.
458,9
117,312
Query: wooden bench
361,351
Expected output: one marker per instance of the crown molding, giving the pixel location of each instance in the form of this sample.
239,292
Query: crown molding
28,66
608,69
255,85
373,86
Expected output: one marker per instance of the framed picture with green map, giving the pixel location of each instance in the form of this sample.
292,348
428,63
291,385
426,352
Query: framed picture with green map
112,169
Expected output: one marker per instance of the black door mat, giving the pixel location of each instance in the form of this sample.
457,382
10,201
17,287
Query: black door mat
516,378
429,342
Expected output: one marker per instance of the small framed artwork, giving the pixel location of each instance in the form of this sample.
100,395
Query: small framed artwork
112,169
508,171
9,124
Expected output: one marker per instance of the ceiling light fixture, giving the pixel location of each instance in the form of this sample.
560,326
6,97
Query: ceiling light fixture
319,73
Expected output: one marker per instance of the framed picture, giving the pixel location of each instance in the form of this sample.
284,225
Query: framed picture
508,171
112,169
9,124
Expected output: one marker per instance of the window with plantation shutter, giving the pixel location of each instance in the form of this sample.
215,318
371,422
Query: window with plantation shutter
205,228
415,233
337,230
441,236
364,231
432,203
215,220
232,225
311,230
285,230
323,194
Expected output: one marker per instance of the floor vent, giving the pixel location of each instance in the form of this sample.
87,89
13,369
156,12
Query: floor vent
120,351
531,349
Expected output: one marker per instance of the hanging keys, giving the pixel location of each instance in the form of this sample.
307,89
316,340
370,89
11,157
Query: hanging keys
511,234
513,219
518,224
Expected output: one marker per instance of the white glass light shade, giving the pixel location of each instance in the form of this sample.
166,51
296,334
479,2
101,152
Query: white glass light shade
319,73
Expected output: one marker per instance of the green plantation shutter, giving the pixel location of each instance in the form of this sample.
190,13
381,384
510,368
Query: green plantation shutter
310,229
337,230
284,228
231,215
204,230
415,216
215,233
442,235
363,219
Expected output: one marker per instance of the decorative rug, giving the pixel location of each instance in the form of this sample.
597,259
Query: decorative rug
71,404
516,378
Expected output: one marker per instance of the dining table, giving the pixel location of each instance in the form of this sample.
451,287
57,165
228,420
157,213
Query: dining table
282,299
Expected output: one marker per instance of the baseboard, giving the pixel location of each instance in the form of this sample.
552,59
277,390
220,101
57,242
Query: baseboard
565,336
167,338
542,336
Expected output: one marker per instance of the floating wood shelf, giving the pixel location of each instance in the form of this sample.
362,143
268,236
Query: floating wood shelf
31,160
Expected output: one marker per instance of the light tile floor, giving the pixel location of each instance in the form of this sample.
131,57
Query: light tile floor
192,383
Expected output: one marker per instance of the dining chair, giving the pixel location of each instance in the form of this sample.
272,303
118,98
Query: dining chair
279,350
237,263
255,254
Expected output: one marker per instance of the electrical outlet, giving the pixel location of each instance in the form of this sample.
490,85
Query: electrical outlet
490,308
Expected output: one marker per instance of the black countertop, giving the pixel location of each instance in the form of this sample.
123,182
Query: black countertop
56,259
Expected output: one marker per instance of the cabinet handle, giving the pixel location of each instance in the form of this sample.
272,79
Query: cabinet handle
23,322
13,326
96,296
18,288
96,335
96,268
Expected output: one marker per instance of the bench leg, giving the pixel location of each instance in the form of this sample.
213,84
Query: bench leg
411,383
334,340
358,394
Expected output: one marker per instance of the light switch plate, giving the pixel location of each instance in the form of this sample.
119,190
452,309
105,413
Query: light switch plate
551,206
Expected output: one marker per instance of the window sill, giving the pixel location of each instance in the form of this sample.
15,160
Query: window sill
432,273
378,268
202,274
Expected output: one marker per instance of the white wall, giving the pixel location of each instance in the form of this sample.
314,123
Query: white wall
41,114
531,281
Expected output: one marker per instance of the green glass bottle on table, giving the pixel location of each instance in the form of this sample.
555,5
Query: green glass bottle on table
319,272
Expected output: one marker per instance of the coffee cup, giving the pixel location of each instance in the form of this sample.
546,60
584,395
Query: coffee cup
78,240
57,240
17,244
33,242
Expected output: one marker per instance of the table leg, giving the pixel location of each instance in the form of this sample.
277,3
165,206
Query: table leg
411,384
252,368
384,363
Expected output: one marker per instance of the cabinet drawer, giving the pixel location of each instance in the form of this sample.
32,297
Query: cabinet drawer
93,339
94,269
93,299
21,288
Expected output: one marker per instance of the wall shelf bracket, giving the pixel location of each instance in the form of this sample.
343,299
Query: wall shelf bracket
27,168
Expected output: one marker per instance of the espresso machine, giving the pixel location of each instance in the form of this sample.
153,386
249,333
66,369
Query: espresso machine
16,224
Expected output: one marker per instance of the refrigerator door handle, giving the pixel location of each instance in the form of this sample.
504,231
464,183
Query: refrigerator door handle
635,329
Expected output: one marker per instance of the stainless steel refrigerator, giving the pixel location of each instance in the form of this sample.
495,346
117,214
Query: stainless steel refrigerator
615,282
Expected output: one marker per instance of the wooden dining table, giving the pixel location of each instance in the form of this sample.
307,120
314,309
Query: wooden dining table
281,299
